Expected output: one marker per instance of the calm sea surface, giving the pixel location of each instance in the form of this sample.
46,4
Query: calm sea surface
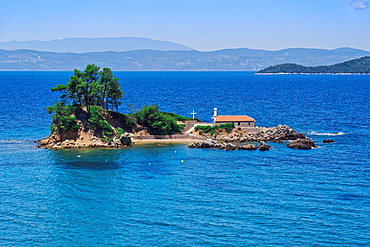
145,195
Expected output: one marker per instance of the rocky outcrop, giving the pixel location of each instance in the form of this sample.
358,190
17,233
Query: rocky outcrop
264,147
227,146
224,140
94,142
249,147
302,144
263,134
194,145
328,141
85,137
125,139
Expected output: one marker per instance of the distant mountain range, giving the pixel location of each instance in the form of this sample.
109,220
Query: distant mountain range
354,66
153,60
82,45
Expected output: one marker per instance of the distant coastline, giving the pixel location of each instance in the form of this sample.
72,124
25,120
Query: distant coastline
242,59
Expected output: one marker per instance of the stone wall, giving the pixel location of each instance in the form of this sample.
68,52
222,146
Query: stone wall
251,129
189,125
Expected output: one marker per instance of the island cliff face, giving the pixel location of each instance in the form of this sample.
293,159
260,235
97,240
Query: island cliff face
87,136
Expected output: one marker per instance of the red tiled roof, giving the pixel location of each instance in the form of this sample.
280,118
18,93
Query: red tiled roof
234,119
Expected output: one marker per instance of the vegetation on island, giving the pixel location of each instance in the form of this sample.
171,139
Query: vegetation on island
355,66
156,121
91,99
228,127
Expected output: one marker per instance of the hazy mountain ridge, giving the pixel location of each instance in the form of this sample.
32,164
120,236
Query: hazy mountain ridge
153,60
83,45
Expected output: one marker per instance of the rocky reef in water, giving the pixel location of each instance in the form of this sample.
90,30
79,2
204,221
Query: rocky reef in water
263,134
228,146
301,144
225,140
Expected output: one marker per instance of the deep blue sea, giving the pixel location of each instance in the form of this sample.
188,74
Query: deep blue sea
145,195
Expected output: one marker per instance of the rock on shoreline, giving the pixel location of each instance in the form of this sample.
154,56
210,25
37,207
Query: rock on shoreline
228,146
263,134
302,144
273,134
85,140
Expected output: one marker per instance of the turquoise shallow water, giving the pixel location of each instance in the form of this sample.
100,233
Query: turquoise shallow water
214,198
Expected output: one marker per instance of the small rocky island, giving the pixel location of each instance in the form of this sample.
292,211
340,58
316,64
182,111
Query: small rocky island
354,66
86,116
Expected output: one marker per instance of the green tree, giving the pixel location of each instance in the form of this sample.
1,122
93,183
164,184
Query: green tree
63,117
88,88
160,122
91,87
114,93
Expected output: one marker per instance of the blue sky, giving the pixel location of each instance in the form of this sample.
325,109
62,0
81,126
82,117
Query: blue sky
202,24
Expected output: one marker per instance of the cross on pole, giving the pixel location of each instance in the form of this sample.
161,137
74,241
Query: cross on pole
193,113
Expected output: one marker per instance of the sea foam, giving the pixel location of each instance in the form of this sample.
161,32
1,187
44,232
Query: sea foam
326,134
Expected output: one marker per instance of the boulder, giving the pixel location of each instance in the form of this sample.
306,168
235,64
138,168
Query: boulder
328,141
194,145
249,147
116,142
44,142
264,147
302,144
230,146
125,139
208,144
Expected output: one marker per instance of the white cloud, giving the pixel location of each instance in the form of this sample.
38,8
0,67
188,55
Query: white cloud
359,5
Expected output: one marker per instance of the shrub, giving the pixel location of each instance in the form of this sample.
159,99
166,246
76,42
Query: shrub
63,117
161,122
205,129
119,132
130,120
98,122
209,129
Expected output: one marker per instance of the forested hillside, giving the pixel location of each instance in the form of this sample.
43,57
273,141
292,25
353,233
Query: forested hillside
355,66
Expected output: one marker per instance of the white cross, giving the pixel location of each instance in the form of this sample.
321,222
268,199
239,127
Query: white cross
193,113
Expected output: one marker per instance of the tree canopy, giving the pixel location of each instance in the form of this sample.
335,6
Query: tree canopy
93,91
91,87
